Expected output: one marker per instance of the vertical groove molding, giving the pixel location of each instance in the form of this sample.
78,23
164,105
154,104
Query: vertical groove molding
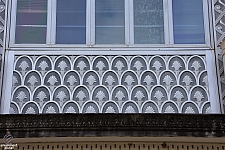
2,29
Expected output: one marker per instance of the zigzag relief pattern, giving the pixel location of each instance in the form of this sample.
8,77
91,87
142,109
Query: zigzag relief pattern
219,7
110,84
2,20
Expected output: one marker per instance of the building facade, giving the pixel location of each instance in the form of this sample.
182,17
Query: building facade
118,57
134,59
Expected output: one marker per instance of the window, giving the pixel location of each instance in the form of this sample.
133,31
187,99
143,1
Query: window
71,22
112,22
31,22
148,22
188,23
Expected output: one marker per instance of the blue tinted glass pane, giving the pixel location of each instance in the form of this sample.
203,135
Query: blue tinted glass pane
71,35
110,22
71,22
188,23
148,22
31,22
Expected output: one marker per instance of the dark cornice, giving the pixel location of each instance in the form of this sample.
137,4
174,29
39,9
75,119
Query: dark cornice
122,125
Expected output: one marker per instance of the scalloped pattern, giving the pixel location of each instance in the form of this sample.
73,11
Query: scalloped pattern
110,84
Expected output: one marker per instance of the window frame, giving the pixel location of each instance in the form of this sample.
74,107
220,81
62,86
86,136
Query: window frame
13,27
129,28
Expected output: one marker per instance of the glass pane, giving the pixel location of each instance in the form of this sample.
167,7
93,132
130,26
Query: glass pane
148,22
31,22
31,35
71,22
31,18
71,35
188,22
110,22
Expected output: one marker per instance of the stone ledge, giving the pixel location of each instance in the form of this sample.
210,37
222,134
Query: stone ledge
122,125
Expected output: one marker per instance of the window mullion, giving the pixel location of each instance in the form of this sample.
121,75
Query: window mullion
168,18
53,22
206,22
13,23
127,22
131,22
90,22
49,22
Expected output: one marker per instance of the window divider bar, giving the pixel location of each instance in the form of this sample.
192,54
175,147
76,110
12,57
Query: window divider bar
90,29
206,22
53,22
13,23
49,22
127,23
131,22
169,39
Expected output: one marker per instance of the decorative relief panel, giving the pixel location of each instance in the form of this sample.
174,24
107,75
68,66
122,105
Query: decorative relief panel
110,84
219,7
2,20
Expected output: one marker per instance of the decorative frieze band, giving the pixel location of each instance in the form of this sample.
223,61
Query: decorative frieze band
110,84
